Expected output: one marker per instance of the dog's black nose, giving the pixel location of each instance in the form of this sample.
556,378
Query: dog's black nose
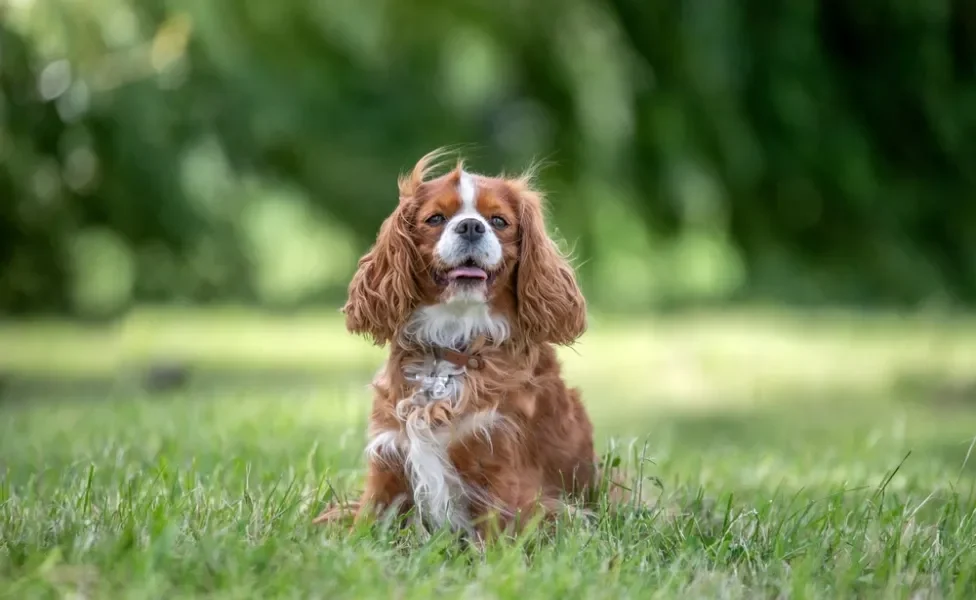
470,229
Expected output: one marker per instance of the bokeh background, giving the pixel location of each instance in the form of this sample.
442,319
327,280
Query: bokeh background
769,204
705,151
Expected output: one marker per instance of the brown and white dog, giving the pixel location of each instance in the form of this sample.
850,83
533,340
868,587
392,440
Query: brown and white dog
471,417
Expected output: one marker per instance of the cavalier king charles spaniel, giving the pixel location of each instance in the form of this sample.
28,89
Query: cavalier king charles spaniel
472,423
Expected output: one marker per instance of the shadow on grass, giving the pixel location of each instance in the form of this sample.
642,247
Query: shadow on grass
165,379
936,390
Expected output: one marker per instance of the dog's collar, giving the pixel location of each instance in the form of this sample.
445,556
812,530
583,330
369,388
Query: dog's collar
471,359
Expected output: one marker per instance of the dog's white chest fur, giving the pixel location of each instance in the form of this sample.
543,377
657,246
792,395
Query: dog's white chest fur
440,494
423,449
437,488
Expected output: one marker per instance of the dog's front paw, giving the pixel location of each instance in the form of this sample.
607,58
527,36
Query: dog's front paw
338,514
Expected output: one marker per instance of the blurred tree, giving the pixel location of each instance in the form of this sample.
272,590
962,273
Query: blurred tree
830,143
34,221
841,132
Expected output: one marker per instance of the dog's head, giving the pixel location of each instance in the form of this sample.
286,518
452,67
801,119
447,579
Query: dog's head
465,245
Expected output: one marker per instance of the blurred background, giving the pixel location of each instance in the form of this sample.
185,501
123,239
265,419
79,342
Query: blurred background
184,182
245,152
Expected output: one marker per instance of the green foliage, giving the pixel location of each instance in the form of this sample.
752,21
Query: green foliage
810,151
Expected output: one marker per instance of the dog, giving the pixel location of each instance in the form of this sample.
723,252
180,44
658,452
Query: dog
472,425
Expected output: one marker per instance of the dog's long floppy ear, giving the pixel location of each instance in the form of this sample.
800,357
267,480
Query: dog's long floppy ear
384,291
551,307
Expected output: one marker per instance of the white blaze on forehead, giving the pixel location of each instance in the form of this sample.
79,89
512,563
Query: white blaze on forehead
454,250
468,191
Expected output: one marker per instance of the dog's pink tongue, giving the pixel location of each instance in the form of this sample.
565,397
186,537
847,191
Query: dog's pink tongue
467,272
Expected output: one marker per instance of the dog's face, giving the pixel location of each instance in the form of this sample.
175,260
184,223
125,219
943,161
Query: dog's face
466,229
464,242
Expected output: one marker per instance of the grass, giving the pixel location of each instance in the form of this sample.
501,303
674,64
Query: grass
778,455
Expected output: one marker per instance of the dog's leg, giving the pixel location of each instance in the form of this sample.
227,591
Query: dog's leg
386,489
509,500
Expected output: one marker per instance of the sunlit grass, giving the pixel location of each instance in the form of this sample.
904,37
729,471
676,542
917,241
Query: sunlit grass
779,457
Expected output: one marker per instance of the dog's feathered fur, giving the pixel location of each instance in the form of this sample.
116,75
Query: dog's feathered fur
505,440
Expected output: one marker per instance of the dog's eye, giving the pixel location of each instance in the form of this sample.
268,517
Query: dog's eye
499,223
435,220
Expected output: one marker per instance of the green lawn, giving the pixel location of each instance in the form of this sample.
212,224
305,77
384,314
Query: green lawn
770,449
